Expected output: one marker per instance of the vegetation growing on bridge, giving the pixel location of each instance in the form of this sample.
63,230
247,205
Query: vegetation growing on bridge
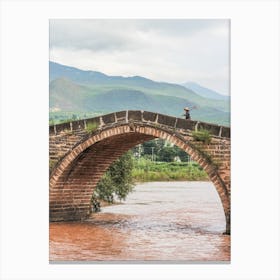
202,135
91,127
52,163
203,138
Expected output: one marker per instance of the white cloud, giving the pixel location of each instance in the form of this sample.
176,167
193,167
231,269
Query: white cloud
163,50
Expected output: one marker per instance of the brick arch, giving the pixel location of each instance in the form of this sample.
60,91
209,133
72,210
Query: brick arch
73,179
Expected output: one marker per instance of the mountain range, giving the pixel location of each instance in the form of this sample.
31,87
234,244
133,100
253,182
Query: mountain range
89,93
205,92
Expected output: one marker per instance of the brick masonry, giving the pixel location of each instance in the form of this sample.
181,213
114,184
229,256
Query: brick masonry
81,151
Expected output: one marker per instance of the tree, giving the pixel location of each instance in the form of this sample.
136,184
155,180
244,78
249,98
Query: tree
181,154
74,117
105,189
117,181
161,150
167,154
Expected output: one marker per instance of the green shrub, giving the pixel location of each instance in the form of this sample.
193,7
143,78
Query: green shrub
117,181
202,135
166,171
91,127
52,164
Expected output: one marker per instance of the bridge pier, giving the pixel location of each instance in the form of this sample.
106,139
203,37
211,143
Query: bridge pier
70,213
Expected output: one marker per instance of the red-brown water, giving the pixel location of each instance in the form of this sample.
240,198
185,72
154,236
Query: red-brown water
160,221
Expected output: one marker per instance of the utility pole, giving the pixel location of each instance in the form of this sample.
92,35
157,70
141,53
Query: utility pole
189,159
139,151
153,153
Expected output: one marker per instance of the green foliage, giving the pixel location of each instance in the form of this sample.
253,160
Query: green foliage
181,154
167,154
91,127
202,135
117,181
51,121
121,175
146,170
52,164
160,150
67,116
105,188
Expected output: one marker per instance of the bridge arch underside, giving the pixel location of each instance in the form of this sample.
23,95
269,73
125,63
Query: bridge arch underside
73,180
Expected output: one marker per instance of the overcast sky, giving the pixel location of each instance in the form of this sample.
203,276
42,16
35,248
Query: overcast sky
174,50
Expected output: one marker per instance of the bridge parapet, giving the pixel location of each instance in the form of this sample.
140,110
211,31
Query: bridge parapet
143,117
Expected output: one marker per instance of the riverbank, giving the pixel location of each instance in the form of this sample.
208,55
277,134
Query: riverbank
149,171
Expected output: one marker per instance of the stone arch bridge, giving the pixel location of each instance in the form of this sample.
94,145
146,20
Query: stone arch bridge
81,151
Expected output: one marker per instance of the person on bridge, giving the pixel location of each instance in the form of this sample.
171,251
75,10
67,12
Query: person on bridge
187,113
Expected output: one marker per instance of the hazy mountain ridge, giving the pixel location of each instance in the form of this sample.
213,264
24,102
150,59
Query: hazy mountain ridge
72,89
205,92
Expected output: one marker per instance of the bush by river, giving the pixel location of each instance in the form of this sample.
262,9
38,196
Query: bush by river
146,170
118,181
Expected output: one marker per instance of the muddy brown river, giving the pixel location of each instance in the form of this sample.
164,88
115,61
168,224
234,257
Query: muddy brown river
159,221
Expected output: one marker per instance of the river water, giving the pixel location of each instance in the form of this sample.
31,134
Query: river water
159,221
